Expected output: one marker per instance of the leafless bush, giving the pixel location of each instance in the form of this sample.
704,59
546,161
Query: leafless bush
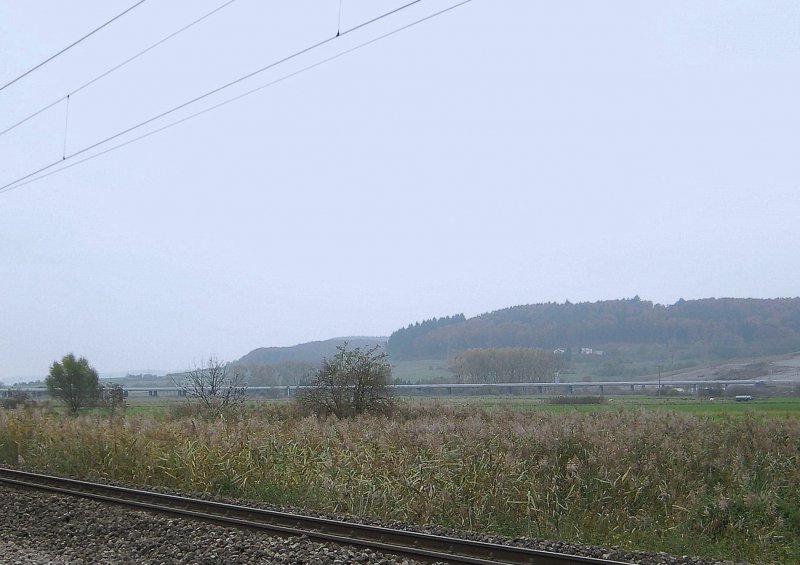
349,383
214,387
17,399
111,396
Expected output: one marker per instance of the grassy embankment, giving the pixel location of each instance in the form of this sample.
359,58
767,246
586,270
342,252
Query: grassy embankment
725,487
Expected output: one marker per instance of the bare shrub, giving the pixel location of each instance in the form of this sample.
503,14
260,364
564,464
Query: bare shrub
17,399
111,396
216,389
349,383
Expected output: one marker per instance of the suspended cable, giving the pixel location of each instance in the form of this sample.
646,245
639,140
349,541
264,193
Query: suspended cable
68,47
245,77
36,113
339,21
119,66
214,91
32,177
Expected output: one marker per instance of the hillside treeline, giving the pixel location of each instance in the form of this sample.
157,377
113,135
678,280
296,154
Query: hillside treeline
312,352
724,327
421,339
505,365
279,374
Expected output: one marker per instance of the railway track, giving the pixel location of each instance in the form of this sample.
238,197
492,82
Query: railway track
414,545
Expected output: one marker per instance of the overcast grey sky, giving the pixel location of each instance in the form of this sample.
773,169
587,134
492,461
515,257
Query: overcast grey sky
508,152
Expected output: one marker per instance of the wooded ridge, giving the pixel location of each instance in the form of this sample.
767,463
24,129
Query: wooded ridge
722,328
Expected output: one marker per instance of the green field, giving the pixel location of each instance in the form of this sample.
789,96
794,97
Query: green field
780,407
424,370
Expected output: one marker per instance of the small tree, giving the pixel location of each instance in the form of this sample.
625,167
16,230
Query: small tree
351,382
15,399
216,388
112,396
73,381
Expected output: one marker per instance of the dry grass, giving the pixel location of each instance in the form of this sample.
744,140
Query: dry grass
727,488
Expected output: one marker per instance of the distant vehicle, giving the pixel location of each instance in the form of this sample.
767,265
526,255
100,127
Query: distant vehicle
744,398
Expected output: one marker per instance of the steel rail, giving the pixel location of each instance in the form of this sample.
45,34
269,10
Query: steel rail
415,545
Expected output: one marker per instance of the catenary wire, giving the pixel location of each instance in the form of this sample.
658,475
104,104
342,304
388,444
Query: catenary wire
70,46
22,182
119,66
212,92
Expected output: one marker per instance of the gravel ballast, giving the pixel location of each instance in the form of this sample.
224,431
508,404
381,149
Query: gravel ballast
40,528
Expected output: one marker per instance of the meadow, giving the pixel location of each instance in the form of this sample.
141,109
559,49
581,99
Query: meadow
657,477
778,407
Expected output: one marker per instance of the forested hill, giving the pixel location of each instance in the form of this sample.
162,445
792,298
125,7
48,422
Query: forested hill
724,327
312,352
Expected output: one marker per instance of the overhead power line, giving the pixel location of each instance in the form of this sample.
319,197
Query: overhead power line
211,92
220,88
37,175
70,46
118,66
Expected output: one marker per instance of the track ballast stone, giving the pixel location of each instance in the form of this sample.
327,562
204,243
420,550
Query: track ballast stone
39,528
110,534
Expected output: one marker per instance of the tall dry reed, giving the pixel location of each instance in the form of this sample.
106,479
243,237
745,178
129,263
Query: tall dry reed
727,488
